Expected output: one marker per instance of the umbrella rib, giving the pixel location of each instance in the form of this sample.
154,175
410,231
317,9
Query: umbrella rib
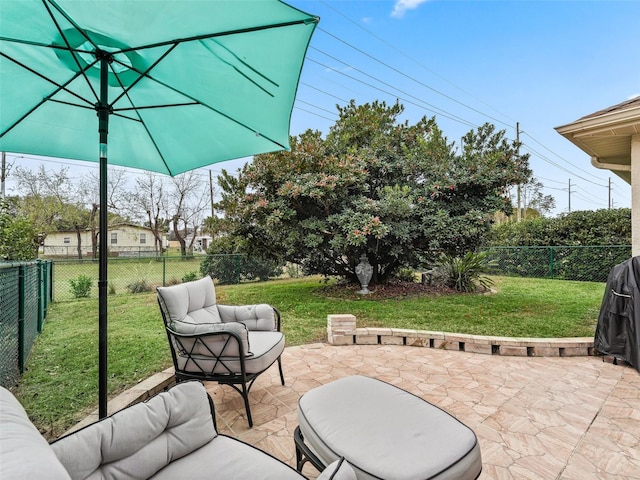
275,84
185,104
222,34
45,99
66,42
144,125
68,19
198,102
125,91
194,100
240,72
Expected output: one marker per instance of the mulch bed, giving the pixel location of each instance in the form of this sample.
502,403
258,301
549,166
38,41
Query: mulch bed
382,292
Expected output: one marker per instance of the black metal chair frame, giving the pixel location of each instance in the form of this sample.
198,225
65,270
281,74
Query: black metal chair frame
241,381
304,453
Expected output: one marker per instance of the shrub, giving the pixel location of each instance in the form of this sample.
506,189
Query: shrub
189,277
406,275
230,269
139,286
225,268
467,273
81,286
112,288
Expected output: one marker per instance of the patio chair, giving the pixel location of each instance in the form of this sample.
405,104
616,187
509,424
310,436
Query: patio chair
231,345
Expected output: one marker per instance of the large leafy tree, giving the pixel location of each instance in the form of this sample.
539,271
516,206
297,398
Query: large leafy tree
18,237
397,192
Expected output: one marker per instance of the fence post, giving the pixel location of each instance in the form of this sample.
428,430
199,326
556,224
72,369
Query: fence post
551,255
51,278
40,295
239,266
164,270
21,293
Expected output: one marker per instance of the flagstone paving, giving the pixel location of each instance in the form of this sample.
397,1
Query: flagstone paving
571,418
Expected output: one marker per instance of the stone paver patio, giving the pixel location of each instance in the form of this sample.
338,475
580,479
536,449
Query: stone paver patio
571,418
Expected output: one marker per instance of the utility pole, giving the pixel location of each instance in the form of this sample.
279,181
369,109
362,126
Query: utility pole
3,174
211,193
518,213
569,195
609,193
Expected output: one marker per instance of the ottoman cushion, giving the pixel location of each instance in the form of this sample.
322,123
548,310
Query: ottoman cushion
385,432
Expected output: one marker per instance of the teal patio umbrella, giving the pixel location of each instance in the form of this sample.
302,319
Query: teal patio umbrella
168,85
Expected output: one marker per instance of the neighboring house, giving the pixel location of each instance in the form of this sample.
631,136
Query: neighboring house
124,239
611,137
200,243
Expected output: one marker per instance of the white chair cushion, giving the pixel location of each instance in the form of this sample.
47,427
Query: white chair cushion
190,303
24,453
141,440
385,432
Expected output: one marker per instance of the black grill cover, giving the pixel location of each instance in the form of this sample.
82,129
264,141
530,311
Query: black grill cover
618,330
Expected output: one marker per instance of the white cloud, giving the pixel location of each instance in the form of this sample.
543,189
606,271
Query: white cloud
367,19
402,6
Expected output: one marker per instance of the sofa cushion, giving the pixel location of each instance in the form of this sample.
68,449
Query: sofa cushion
255,317
266,347
24,453
215,344
141,440
386,432
228,458
190,303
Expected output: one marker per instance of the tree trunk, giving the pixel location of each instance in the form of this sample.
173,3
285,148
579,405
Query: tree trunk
94,234
179,237
155,229
79,236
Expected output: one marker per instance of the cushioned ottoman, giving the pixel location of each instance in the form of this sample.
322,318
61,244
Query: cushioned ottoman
383,432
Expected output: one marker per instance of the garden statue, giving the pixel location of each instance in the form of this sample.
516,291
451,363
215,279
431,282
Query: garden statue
364,271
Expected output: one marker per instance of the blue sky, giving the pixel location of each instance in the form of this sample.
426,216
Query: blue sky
540,63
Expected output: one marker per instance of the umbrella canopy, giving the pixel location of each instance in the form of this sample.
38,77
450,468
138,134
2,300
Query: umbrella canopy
175,86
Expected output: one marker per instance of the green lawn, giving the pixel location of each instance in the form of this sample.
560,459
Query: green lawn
122,272
60,385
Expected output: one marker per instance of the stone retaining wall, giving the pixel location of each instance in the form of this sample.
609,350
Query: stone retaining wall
342,330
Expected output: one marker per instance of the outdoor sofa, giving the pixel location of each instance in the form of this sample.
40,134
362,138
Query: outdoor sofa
171,436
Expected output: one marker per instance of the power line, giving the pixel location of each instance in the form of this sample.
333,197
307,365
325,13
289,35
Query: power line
457,119
417,62
315,106
433,107
559,156
549,180
548,160
412,78
313,113
324,91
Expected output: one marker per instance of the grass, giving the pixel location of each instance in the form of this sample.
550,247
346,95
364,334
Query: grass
60,387
122,273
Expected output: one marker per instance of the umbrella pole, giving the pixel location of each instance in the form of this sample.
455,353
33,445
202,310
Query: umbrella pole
103,128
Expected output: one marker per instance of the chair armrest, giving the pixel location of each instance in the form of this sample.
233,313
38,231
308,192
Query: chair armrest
213,339
338,470
260,317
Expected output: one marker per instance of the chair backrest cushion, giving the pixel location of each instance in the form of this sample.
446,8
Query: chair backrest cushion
260,317
140,440
24,453
189,304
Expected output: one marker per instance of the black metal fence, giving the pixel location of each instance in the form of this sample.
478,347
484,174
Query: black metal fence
25,293
583,263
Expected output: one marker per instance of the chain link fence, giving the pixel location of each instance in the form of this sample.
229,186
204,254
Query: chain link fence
583,263
25,293
137,274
